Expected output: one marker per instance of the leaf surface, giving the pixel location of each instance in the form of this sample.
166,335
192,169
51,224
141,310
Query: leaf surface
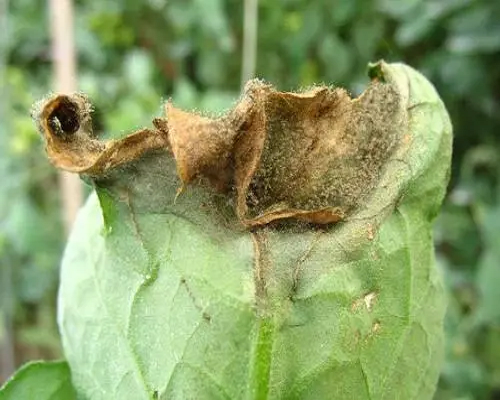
224,289
40,380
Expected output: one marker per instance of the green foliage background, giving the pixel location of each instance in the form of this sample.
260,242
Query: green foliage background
132,55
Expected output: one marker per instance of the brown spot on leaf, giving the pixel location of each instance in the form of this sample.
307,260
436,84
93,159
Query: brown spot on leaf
371,232
368,300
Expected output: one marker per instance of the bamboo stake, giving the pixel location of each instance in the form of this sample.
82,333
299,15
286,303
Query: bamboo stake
64,59
7,356
249,58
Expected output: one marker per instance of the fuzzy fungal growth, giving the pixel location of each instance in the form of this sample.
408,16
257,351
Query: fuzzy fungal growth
312,156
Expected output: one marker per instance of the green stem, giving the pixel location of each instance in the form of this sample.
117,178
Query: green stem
261,368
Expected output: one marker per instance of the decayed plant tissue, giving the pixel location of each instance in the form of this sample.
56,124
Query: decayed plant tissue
281,251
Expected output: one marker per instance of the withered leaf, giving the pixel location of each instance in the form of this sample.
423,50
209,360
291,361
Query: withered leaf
313,155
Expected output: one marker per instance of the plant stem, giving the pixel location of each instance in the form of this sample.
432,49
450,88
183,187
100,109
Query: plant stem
250,17
261,367
6,295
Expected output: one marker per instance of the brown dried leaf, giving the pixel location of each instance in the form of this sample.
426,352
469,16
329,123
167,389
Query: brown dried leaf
66,124
200,145
319,152
312,156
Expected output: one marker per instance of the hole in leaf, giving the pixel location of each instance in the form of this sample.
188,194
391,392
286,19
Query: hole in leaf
64,120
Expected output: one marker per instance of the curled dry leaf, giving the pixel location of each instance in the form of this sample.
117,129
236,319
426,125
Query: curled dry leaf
66,125
313,155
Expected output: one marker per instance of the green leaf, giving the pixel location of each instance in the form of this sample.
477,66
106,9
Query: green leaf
40,380
170,297
489,272
474,31
367,34
418,28
137,69
332,48
398,9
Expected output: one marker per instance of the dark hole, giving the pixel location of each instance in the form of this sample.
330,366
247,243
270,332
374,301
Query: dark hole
64,119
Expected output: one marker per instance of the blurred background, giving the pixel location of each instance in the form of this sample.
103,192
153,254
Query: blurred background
132,55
